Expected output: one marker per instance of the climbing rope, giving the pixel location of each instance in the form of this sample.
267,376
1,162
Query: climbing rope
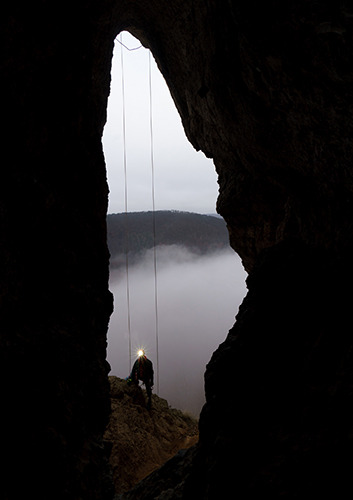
125,46
122,46
153,220
125,199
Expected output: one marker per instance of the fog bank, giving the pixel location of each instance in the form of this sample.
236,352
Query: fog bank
198,298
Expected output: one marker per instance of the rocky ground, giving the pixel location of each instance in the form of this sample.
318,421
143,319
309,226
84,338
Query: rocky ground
142,440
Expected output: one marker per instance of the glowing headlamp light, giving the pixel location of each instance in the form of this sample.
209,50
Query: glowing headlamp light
140,353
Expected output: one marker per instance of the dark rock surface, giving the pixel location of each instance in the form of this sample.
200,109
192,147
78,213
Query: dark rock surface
142,440
168,482
263,87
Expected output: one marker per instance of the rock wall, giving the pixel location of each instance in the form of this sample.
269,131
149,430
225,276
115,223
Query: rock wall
279,131
265,89
54,299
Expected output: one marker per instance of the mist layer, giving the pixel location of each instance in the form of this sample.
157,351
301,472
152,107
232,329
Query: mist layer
197,300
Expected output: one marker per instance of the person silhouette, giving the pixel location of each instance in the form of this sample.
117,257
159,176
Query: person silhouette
143,370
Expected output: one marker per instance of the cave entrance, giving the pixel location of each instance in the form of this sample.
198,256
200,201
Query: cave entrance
197,296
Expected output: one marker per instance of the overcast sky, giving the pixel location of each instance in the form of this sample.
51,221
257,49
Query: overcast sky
184,179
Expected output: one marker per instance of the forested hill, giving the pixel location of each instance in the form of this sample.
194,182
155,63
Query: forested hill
198,233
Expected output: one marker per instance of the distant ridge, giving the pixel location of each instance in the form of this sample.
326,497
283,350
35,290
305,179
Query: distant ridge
198,233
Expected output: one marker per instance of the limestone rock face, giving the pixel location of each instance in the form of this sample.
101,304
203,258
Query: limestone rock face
265,89
142,440
283,114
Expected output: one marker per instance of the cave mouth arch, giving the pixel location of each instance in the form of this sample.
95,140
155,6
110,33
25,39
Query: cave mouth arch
264,88
213,312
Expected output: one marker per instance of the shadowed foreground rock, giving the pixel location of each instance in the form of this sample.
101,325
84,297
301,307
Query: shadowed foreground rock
265,88
142,440
168,482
